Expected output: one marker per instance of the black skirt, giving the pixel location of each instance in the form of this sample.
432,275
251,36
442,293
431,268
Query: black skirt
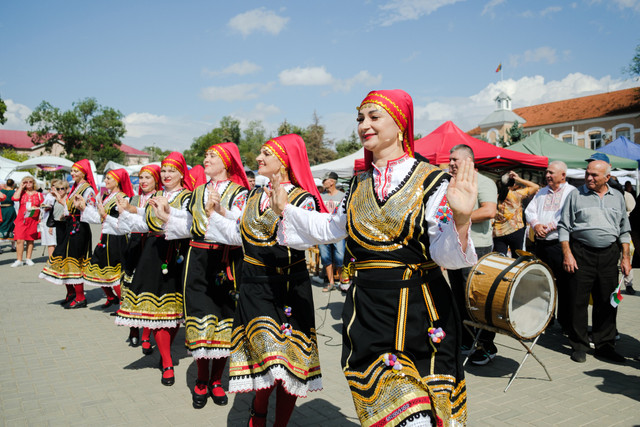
105,266
71,255
274,335
153,299
377,320
209,289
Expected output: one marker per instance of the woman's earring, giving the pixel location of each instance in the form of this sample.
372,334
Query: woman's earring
283,170
400,137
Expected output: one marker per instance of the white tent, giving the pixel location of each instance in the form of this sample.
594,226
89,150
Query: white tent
343,167
46,163
6,166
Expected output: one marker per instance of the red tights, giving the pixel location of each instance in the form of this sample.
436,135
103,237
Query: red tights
79,292
285,404
217,368
164,337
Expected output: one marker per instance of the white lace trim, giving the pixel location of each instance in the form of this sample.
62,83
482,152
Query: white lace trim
291,384
101,285
57,281
151,324
210,353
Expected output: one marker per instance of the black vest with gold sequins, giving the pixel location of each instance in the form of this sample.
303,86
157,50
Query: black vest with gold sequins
197,207
154,224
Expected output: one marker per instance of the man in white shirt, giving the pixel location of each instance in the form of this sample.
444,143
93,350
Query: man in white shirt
543,214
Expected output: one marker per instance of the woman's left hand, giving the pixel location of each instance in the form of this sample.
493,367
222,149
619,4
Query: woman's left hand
463,193
79,202
278,197
101,210
161,207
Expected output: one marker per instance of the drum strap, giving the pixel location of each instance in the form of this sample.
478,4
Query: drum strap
496,284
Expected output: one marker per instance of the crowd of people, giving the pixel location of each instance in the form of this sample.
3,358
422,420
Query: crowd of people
207,249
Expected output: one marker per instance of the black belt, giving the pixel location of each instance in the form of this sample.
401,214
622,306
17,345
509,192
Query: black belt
417,280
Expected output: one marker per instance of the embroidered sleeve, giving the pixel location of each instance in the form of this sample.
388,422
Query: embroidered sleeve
301,228
223,230
178,226
444,242
237,207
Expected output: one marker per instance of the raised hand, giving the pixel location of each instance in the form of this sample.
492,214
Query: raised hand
278,197
463,193
79,202
213,201
161,207
124,205
101,210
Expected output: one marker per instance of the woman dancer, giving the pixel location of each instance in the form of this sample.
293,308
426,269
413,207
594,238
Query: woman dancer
66,265
149,183
26,223
154,297
273,345
402,220
211,270
105,266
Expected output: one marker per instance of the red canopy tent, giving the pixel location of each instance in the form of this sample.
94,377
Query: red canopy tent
435,147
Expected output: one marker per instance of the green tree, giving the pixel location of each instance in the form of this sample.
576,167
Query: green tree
89,130
318,149
287,128
515,133
11,154
194,155
254,137
634,67
3,110
230,129
157,154
349,145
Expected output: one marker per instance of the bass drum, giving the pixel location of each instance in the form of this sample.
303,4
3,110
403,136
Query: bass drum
515,295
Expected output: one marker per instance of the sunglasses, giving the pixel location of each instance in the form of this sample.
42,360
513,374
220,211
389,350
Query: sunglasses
59,189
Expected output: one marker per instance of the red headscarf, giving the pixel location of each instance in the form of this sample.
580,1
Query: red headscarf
122,178
154,171
85,167
399,105
197,176
230,155
292,153
176,160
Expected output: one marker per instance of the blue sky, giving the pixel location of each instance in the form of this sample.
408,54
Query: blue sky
174,69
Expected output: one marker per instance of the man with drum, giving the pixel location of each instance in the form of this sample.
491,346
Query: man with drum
592,228
482,237
543,214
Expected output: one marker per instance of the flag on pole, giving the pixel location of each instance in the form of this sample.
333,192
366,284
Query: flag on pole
616,295
499,68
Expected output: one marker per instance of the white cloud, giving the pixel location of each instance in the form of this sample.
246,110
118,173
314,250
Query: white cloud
168,133
239,68
307,76
239,92
319,76
467,112
16,116
406,10
550,10
544,53
488,8
622,4
258,20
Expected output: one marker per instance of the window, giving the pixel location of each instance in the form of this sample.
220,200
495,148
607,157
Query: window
568,139
596,140
626,132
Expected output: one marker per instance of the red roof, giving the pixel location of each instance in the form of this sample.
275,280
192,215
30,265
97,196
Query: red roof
19,139
608,104
436,146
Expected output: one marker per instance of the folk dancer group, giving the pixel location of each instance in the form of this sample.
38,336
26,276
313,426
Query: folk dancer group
199,249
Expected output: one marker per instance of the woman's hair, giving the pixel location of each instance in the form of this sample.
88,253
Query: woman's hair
503,189
30,178
10,183
60,183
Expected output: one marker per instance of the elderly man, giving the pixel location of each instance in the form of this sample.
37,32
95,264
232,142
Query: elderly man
543,215
481,235
593,225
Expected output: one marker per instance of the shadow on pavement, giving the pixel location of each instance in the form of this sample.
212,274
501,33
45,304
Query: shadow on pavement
615,382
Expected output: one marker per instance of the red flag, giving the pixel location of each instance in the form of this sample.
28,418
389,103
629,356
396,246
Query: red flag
499,68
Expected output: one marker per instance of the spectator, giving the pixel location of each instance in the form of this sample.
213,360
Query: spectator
332,255
61,191
47,232
251,177
484,211
8,212
593,224
508,227
629,197
26,222
543,214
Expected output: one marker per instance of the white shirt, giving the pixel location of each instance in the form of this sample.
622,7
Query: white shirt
546,206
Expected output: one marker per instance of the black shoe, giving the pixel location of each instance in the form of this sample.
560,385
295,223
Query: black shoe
77,304
199,400
609,354
253,413
630,290
68,299
579,356
147,351
168,381
218,400
109,303
134,341
482,357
